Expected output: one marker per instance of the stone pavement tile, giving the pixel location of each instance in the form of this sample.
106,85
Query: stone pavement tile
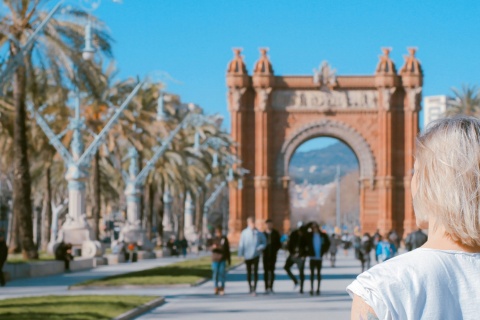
201,303
58,284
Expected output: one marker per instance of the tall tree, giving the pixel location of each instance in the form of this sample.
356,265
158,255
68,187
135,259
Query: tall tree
57,47
468,101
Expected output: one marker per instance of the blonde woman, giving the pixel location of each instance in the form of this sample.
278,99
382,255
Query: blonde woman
441,279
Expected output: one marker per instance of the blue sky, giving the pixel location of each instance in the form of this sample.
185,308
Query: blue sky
192,39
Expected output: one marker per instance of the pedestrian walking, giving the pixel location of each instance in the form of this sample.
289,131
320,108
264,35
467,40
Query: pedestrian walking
3,256
394,239
415,240
347,243
376,239
440,280
252,243
183,246
364,251
385,249
334,243
317,244
220,257
172,246
297,248
270,255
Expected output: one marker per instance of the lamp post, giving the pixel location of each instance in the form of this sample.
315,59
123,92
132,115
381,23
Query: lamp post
135,180
76,230
337,184
231,161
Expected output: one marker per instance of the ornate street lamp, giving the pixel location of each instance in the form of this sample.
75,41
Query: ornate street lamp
88,52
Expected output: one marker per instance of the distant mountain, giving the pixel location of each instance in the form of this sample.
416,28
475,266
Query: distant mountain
320,166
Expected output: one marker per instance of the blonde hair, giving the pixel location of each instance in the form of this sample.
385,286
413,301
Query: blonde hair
448,177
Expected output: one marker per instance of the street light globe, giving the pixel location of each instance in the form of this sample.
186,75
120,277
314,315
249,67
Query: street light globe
88,55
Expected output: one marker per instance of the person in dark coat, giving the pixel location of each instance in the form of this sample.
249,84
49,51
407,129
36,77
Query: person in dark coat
318,244
3,256
297,248
415,240
366,245
183,246
172,246
220,257
270,255
64,253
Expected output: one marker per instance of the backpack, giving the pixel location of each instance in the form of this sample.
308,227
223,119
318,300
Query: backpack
365,245
385,251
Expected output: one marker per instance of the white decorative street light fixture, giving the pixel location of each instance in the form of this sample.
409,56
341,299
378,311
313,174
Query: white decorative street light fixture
76,229
88,52
133,231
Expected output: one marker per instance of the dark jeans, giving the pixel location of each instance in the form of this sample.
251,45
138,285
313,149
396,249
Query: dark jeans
252,266
300,262
2,278
269,271
315,265
365,259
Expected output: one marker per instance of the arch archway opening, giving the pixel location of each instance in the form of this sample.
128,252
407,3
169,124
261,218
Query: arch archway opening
313,188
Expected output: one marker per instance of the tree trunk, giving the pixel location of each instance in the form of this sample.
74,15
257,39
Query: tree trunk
47,210
181,215
96,205
22,205
142,197
14,245
151,205
199,201
160,212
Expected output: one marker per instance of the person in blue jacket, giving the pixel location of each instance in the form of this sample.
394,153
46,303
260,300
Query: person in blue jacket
385,249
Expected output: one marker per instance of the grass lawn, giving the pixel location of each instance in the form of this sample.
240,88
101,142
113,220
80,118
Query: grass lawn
183,272
69,307
17,258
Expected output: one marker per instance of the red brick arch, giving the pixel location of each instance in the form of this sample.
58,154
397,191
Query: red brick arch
376,115
334,129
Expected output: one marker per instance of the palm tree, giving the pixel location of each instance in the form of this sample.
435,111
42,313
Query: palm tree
56,49
468,102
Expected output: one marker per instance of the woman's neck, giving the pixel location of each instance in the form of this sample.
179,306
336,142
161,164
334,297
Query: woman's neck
439,239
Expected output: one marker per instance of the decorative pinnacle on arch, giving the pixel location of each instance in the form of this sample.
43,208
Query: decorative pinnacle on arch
412,66
263,65
325,75
237,66
386,65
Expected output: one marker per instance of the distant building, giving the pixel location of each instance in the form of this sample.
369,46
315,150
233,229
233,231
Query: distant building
434,107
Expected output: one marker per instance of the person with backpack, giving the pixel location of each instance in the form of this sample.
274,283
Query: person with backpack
385,249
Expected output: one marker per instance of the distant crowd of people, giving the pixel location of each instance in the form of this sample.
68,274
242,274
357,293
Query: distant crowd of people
308,242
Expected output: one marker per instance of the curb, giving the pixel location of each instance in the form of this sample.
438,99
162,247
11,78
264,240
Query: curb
131,314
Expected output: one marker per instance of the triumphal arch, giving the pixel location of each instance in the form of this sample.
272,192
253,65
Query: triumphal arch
375,115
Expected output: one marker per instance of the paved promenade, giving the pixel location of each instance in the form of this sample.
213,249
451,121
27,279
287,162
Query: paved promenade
200,303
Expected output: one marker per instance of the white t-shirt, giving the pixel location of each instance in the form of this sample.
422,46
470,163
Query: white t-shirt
423,284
